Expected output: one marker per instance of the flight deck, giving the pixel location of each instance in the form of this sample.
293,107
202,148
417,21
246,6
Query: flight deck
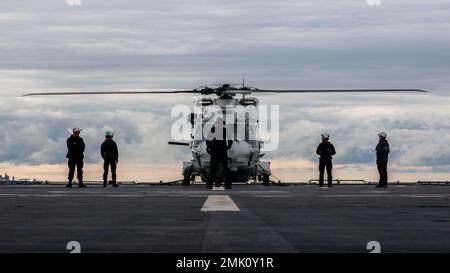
246,219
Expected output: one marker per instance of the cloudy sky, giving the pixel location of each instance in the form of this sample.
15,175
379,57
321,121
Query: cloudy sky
106,45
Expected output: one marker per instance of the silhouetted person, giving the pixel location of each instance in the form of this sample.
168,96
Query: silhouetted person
382,150
110,155
217,147
75,154
326,151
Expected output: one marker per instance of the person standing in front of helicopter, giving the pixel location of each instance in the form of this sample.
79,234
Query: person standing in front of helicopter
110,155
382,150
75,155
326,151
218,146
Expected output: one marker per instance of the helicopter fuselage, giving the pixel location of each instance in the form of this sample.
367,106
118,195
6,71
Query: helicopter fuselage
240,118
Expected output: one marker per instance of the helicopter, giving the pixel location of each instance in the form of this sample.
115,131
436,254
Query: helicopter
233,106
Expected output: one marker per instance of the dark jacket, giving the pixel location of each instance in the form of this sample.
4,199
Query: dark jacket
382,152
325,150
218,146
109,150
75,147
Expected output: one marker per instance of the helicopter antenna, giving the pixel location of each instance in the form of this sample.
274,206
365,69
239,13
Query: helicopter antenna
243,85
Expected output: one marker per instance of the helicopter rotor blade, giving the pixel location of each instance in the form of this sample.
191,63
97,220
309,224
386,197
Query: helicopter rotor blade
207,91
112,93
339,91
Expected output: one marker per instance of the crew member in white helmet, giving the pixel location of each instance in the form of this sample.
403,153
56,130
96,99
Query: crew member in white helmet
110,155
75,156
326,151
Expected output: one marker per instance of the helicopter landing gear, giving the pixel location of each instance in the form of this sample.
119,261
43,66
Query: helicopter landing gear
266,180
187,180
188,174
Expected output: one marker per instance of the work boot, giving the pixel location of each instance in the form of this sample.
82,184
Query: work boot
104,184
81,185
208,187
330,186
115,185
228,187
380,186
69,185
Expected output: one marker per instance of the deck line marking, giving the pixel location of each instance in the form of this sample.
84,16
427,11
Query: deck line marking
219,203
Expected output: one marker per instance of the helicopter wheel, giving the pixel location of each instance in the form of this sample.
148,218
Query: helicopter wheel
266,180
187,180
203,177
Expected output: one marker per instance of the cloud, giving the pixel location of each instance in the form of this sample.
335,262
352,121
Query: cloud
182,44
35,129
416,124
30,126
117,45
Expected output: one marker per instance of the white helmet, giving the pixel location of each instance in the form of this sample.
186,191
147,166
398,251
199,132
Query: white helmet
76,130
382,135
325,136
109,134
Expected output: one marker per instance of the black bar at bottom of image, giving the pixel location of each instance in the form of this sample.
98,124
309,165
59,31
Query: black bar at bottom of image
224,262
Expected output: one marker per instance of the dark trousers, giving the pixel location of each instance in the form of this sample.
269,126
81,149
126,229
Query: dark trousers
216,159
106,165
382,170
328,164
78,163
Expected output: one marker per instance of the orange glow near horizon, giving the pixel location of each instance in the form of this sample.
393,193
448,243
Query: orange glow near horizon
283,169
